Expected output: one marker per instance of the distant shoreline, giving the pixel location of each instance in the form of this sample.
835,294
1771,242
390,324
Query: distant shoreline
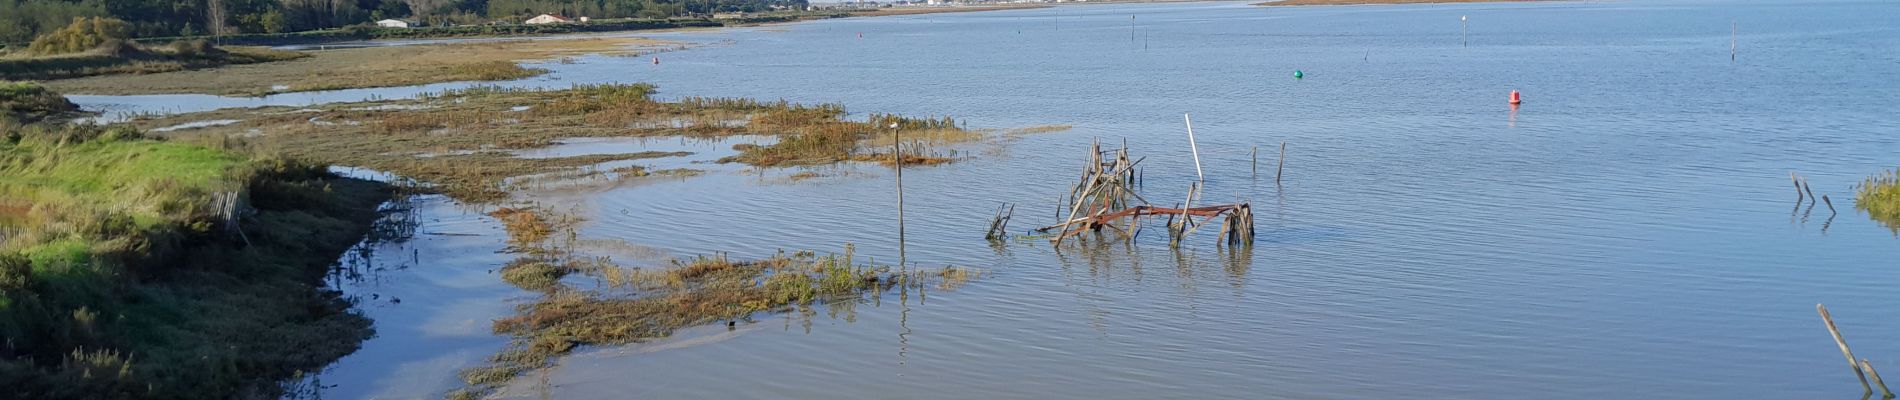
1286,3
882,12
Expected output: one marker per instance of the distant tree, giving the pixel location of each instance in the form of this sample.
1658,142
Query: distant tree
273,22
81,35
21,21
214,16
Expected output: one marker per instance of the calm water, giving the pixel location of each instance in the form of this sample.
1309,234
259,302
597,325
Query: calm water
1630,232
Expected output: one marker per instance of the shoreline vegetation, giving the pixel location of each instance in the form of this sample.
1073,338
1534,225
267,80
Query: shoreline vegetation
363,67
139,268
100,56
28,102
1286,3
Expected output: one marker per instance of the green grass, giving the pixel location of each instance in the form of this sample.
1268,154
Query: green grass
115,281
97,171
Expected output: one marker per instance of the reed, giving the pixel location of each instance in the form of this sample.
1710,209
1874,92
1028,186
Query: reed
1879,196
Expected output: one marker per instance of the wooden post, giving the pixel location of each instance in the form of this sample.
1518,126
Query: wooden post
1809,188
1869,367
1798,197
1003,231
1282,168
1843,343
897,158
1255,153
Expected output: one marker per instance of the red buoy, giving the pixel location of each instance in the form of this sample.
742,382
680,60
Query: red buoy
1515,99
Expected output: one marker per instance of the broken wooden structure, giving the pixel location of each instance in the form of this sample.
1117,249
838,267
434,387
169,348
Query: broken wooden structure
1106,195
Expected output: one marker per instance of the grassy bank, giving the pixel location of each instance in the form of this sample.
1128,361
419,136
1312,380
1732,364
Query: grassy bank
460,140
382,66
130,59
136,268
28,102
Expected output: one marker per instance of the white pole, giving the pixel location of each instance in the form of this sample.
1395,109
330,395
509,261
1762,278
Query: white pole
1194,148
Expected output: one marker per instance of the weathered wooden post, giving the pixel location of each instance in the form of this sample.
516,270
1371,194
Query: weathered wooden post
1838,340
1282,168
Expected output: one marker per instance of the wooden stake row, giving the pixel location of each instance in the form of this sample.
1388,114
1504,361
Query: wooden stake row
1804,193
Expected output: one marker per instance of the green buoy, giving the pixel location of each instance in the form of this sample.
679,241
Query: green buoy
1297,74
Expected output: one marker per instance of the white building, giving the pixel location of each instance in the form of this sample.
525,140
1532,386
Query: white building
547,19
396,23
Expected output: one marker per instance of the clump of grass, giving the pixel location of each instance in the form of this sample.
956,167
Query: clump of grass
533,273
28,102
1879,196
1034,129
642,304
494,70
525,226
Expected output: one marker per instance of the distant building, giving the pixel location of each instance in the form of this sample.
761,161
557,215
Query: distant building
547,19
397,23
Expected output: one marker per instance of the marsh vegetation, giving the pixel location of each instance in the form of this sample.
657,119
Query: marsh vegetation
462,141
590,301
1879,196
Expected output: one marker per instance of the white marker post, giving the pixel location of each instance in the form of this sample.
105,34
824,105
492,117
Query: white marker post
1193,148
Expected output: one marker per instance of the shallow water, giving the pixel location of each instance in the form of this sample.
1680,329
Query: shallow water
1629,232
1625,234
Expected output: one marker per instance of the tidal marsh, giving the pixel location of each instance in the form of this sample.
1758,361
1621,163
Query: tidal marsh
469,134
630,304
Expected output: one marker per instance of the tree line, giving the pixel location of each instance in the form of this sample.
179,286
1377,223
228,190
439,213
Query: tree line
23,20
